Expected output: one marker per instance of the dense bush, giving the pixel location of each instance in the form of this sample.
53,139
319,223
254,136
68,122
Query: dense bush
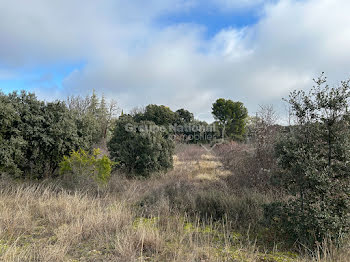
314,162
80,165
181,124
35,135
163,116
141,148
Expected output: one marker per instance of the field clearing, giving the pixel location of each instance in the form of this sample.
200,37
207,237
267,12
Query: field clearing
133,220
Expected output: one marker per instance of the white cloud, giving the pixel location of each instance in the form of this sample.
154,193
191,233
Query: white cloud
130,57
231,43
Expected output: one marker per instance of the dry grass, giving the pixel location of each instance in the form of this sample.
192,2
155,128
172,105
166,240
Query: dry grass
45,222
40,224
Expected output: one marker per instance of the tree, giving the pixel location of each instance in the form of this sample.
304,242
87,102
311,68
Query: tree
86,114
105,114
232,116
34,136
140,150
93,104
314,162
160,115
183,117
94,115
11,141
265,131
61,135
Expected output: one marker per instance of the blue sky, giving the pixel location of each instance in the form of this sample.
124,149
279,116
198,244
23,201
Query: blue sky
182,53
212,19
44,76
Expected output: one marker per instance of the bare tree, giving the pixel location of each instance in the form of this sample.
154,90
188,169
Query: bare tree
265,134
78,104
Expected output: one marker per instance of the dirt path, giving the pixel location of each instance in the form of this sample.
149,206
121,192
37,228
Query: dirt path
199,163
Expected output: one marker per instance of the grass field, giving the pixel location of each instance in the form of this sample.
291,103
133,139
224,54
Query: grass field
187,214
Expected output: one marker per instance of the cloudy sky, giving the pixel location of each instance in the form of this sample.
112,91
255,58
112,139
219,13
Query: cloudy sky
181,53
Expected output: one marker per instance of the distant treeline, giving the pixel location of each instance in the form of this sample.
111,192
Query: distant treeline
35,135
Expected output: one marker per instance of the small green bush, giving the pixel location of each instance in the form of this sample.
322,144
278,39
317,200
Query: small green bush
81,165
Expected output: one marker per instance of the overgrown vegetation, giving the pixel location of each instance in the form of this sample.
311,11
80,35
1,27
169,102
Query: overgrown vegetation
180,216
35,135
80,166
240,189
314,167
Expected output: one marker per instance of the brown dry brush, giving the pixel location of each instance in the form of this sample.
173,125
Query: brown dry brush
169,217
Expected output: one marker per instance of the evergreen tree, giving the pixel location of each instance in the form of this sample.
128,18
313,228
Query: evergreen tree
314,162
139,150
231,116
93,104
103,117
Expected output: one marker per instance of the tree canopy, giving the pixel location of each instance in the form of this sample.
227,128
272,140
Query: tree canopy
231,116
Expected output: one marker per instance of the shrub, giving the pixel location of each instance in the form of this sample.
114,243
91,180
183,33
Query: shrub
246,169
34,135
139,150
80,165
314,167
264,132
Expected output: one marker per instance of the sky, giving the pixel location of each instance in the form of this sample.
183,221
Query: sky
179,53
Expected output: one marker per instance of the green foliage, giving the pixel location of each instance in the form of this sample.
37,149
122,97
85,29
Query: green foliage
231,116
94,117
200,132
81,165
181,123
183,117
139,150
314,162
34,135
160,115
11,143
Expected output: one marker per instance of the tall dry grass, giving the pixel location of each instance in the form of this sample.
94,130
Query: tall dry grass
44,223
188,214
